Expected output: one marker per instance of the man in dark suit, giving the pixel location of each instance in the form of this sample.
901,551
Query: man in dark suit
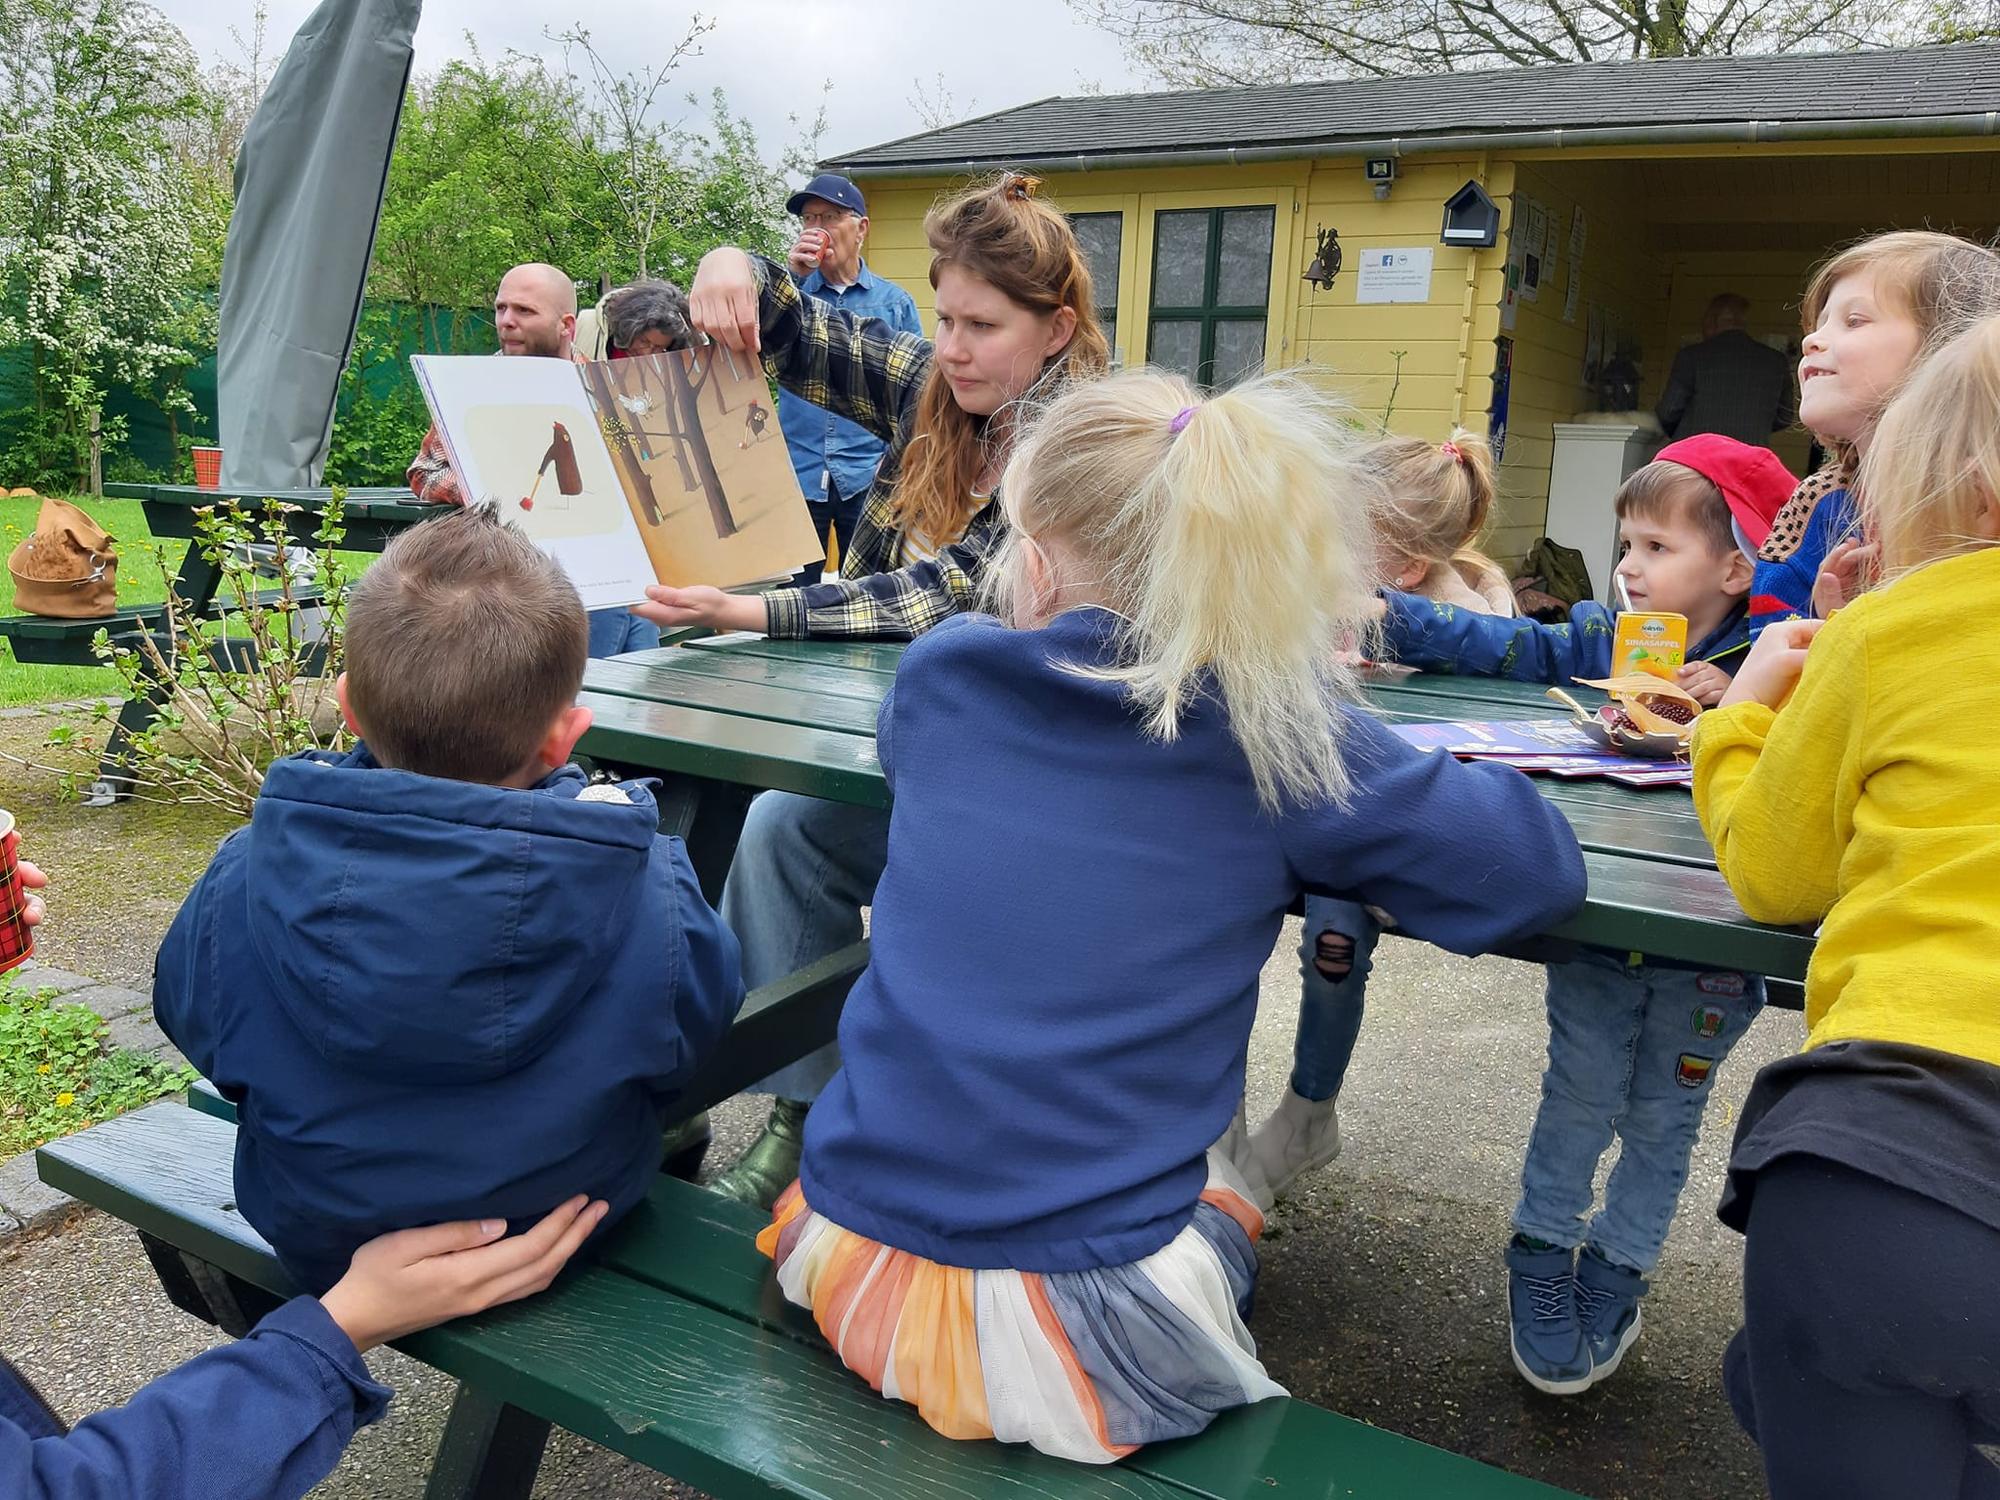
1729,382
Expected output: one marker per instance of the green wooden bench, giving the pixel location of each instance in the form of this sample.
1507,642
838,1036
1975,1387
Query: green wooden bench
68,643
674,1348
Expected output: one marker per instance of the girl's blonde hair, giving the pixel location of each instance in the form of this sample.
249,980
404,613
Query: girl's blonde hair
1933,470
1023,247
1237,549
1943,282
1436,499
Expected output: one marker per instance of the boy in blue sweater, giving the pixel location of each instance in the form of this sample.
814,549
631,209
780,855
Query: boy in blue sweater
441,977
1633,1043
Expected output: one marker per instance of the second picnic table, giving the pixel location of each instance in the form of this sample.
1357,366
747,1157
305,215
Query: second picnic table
721,718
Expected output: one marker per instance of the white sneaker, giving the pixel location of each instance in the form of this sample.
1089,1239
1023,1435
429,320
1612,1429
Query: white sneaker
1235,1147
1301,1134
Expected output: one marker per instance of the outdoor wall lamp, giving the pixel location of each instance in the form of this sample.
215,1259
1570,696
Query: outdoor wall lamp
1326,264
1381,172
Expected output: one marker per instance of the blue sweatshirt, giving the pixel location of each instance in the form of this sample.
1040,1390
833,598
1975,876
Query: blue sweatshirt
264,1418
1437,637
1783,590
1067,940
435,1000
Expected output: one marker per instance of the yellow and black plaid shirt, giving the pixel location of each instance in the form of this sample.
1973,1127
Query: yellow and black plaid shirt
862,369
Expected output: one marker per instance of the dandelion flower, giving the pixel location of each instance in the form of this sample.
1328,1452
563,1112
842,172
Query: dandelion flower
65,1099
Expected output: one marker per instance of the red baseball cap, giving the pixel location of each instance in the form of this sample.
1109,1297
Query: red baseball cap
1753,480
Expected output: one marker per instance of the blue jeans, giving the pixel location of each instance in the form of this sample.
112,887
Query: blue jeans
803,870
1633,1050
1330,1008
616,631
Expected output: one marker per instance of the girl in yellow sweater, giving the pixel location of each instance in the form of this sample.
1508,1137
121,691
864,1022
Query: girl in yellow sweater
1860,783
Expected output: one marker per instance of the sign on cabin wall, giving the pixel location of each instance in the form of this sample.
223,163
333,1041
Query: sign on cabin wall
1397,275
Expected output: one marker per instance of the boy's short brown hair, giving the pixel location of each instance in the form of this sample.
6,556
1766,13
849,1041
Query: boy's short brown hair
1673,493
463,643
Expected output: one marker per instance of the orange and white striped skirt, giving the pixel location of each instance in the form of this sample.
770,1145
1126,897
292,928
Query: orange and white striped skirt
1085,1365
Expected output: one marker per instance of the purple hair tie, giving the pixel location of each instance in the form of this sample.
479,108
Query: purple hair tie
1181,418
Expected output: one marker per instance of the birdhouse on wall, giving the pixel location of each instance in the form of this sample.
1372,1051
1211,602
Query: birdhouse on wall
1471,219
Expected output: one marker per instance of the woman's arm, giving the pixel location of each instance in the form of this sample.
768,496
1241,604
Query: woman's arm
857,368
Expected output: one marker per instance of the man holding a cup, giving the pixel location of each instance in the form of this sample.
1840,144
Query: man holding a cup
835,459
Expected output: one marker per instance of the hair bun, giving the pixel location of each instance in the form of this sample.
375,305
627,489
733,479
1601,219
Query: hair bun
1019,186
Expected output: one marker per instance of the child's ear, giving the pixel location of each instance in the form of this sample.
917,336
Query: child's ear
1739,574
564,731
347,712
1411,574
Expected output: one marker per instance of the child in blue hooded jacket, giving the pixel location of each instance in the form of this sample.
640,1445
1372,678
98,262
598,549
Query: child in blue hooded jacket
439,975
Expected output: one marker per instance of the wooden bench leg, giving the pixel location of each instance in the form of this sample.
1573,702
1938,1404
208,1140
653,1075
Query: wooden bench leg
491,1451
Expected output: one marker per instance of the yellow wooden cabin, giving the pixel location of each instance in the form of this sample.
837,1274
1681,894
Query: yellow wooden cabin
1629,194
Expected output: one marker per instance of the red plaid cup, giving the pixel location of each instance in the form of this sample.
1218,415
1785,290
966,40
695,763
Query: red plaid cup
17,938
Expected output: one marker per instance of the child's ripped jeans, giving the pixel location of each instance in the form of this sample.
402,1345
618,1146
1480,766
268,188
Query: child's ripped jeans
1633,1053
1334,959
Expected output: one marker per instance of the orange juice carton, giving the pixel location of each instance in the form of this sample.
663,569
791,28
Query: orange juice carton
1649,641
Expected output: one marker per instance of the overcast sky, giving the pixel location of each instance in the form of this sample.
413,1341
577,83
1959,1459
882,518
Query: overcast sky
771,56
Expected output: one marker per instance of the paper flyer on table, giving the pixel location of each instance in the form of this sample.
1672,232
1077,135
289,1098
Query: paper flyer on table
664,468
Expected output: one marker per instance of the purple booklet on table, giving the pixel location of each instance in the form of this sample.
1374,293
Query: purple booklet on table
1557,747
1503,737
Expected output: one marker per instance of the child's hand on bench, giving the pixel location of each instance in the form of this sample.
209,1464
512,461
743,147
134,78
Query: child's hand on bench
415,1278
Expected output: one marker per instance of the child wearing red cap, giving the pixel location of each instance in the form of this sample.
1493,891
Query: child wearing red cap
1634,1043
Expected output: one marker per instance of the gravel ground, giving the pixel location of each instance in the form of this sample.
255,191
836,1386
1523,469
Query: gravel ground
1382,1293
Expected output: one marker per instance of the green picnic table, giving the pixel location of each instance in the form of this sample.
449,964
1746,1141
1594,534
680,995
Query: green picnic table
720,718
371,517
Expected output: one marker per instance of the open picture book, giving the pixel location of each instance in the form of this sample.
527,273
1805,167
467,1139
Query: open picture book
661,468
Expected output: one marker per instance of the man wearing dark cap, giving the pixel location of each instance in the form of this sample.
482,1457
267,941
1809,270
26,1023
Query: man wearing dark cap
834,458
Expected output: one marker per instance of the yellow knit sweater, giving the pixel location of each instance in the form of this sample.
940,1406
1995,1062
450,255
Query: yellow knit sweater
1873,800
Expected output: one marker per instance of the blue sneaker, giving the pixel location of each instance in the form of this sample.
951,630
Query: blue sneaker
1548,1342
1607,1305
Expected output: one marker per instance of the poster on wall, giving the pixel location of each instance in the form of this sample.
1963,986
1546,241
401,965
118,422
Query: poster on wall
1503,380
1593,345
1573,294
1533,244
1577,231
1510,288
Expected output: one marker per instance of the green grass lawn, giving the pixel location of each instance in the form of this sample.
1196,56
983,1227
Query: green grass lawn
140,581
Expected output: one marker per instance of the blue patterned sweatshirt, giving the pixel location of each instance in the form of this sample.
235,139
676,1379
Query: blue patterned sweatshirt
1068,936
1783,590
1437,637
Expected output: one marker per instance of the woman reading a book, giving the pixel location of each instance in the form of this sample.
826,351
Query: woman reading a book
1014,317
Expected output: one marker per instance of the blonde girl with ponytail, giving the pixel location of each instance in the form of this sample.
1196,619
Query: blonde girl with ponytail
1436,499
1011,1212
1015,321
1432,502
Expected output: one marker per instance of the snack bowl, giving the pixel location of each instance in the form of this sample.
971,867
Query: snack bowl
1648,717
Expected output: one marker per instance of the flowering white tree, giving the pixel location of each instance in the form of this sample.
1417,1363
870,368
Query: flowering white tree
101,228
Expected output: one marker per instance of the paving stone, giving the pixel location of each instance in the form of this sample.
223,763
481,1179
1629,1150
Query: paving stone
25,1197
109,1000
35,975
139,1032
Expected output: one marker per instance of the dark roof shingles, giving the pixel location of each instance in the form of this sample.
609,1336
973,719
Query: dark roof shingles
1907,83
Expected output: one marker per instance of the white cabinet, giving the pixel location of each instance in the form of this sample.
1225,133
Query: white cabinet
1591,461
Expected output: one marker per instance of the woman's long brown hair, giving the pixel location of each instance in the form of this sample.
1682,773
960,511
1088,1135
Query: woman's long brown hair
1001,233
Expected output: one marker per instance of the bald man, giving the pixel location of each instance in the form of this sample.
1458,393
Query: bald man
534,313
1729,382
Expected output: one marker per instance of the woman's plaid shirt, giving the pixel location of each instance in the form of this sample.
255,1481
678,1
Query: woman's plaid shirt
862,369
